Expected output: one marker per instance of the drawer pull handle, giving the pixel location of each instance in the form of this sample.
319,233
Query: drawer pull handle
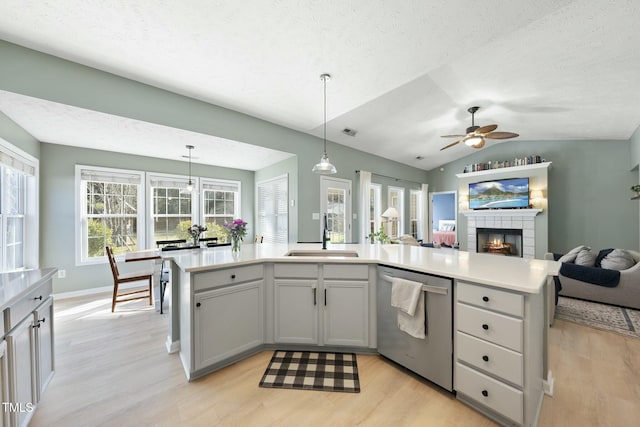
485,326
233,276
485,358
38,298
198,304
315,302
485,299
485,393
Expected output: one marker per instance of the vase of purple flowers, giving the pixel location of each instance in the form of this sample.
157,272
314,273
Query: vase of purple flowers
236,230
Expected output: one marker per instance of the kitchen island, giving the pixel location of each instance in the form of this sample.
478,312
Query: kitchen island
228,306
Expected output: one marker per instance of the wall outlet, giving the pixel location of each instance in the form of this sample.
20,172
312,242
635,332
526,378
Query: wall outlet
62,274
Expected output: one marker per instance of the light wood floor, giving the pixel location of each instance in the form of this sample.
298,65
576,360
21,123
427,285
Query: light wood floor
113,369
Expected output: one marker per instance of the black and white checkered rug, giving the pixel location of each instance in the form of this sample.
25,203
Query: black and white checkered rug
307,370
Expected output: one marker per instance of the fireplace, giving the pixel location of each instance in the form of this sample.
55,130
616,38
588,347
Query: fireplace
499,241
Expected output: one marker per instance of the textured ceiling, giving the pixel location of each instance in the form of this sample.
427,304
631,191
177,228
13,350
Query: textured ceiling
404,72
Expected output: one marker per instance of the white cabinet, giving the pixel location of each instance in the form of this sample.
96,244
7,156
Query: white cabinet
4,383
227,322
28,323
21,349
498,352
296,311
346,313
321,304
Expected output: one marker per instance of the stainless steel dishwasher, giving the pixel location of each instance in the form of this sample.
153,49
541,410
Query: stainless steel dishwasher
432,357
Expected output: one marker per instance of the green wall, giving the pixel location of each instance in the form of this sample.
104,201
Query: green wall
588,189
58,205
11,132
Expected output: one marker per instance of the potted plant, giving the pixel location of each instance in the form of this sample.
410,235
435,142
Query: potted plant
636,188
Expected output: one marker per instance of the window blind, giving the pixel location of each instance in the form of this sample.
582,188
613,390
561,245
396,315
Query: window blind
17,163
273,210
119,177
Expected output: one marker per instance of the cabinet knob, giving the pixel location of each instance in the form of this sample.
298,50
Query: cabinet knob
485,358
197,304
42,320
485,393
485,326
485,299
38,298
233,276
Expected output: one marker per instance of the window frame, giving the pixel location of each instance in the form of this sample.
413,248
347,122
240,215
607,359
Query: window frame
275,181
14,159
419,219
376,201
399,208
237,202
82,216
182,182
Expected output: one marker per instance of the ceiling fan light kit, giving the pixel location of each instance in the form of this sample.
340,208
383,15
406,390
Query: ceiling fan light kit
325,167
476,136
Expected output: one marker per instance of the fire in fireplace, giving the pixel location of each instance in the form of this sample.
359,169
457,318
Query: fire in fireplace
499,241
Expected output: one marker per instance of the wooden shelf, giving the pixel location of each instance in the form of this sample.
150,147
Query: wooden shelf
499,171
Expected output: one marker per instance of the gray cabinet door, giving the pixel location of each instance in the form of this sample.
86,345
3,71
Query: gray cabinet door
4,382
346,312
296,311
227,321
44,344
21,349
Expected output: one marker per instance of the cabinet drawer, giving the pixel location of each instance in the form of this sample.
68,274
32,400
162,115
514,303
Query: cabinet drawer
296,271
346,271
499,361
492,299
227,276
21,309
494,327
493,394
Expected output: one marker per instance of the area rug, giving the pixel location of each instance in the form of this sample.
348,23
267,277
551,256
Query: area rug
620,320
307,370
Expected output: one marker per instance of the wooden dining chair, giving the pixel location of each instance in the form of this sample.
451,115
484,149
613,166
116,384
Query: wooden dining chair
165,272
137,276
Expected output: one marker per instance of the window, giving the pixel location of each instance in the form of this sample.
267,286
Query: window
171,207
17,181
375,206
396,200
111,212
415,213
273,210
220,204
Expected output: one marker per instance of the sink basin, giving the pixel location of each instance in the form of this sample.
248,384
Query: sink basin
325,253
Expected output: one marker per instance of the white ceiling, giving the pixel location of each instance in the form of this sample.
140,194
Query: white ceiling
404,72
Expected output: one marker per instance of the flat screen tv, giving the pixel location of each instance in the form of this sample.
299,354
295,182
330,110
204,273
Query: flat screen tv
510,193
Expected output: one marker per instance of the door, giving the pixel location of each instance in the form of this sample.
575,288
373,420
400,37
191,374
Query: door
335,203
444,207
241,306
296,311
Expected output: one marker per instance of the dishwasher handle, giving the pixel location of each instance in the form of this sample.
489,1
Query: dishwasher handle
425,288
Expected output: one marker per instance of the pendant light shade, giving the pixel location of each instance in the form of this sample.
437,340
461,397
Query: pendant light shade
190,183
325,167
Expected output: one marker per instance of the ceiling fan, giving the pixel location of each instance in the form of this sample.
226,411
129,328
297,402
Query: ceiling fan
476,135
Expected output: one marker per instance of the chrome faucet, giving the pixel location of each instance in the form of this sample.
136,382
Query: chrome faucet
325,237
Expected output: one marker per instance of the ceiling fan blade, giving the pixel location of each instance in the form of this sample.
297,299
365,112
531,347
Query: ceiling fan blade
453,136
451,145
501,135
486,129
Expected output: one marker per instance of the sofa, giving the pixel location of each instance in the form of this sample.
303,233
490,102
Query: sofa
599,284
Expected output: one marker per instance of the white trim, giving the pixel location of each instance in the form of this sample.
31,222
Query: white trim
400,208
149,226
284,177
342,184
80,192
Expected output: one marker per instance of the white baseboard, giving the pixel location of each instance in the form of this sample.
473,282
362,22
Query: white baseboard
172,346
84,292
547,385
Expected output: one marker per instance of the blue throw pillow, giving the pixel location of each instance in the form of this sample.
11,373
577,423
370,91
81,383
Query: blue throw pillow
603,253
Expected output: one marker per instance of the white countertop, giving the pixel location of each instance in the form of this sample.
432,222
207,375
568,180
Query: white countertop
15,285
518,274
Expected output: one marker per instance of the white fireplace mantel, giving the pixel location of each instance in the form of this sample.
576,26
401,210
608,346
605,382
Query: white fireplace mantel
502,212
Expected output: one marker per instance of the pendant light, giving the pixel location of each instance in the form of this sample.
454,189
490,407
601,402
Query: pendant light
325,167
190,183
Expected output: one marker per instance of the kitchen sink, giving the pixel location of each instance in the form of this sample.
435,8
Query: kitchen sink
323,253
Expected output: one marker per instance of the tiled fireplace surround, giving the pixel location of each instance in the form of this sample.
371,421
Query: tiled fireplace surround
521,219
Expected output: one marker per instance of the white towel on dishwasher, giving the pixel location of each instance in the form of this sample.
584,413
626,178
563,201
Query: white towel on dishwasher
404,295
407,297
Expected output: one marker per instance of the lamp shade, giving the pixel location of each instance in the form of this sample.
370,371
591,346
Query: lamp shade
324,167
391,212
473,141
